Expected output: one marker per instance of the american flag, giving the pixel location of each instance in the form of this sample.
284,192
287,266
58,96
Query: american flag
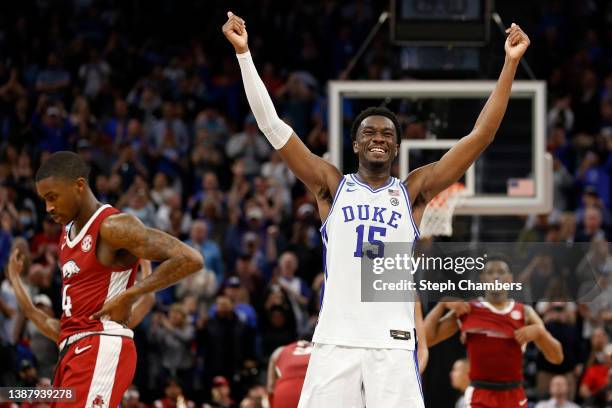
518,187
393,193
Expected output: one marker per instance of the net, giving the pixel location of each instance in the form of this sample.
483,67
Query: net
438,216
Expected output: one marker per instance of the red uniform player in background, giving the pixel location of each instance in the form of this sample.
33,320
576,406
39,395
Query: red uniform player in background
494,330
286,372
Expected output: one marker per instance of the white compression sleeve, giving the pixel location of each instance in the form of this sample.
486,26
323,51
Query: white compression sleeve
277,131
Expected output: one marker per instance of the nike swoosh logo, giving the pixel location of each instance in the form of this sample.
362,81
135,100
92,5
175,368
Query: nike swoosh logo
523,402
80,350
350,191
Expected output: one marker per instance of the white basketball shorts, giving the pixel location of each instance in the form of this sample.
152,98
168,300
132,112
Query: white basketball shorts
355,377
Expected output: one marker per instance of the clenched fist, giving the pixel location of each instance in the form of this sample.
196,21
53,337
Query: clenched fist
516,43
235,31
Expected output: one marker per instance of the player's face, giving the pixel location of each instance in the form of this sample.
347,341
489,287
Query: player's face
62,197
376,140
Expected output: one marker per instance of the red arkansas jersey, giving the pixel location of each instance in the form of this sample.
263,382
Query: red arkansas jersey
86,283
291,368
493,352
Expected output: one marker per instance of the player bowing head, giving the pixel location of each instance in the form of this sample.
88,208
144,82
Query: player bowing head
62,182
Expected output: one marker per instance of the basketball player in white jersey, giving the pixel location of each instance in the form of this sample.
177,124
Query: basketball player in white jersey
367,353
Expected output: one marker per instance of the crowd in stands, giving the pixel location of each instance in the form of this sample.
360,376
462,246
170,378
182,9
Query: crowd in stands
151,96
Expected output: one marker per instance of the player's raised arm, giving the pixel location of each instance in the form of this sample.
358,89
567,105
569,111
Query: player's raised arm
321,177
427,181
440,325
126,232
48,326
536,331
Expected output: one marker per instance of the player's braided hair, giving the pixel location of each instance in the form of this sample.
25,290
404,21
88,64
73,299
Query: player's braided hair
375,111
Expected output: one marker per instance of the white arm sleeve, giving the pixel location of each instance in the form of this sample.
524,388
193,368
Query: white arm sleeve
277,131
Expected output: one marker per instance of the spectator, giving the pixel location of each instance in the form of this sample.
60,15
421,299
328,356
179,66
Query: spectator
27,375
592,226
559,394
227,343
48,237
94,74
131,398
116,127
173,335
460,380
240,297
559,316
202,285
161,190
173,396
139,205
295,287
53,80
208,248
596,375
250,146
221,393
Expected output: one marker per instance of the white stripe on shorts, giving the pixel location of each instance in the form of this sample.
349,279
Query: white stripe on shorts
103,379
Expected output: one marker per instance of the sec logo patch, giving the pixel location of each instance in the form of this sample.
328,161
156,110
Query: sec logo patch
86,243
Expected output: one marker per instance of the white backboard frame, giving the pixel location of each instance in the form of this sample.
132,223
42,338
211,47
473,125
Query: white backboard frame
540,203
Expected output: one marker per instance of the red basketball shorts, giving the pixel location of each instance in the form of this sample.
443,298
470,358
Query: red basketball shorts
98,368
481,398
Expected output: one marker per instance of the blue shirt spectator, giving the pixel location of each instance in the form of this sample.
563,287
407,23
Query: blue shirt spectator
208,248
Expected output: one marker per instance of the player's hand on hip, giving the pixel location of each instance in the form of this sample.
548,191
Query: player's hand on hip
235,31
516,42
117,309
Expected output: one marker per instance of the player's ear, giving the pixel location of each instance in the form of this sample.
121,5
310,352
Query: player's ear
80,184
355,147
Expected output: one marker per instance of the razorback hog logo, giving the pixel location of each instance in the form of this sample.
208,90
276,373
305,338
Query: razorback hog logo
70,268
98,402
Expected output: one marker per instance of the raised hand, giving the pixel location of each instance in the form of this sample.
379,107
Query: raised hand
235,31
516,43
15,264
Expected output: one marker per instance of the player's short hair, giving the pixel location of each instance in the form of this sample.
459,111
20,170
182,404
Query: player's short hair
375,111
499,257
66,165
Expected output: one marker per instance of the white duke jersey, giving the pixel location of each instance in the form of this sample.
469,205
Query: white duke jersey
360,215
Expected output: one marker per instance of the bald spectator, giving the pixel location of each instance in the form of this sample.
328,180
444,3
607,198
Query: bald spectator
559,392
295,287
592,225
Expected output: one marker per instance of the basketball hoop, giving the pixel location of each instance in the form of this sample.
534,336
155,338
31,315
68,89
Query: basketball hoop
438,216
